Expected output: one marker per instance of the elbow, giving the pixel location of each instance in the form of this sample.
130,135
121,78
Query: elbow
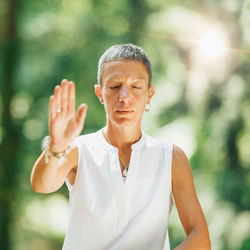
202,240
34,185
41,189
37,189
205,243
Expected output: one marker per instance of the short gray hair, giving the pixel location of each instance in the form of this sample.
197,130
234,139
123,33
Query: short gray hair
124,52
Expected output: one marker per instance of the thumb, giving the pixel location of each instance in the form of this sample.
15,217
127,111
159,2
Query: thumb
81,114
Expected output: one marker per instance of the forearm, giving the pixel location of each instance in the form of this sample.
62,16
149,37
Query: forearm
195,240
47,178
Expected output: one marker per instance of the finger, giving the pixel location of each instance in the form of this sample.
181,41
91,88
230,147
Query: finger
52,108
58,98
64,97
81,114
71,97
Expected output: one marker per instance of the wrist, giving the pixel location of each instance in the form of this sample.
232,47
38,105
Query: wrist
57,149
54,151
59,155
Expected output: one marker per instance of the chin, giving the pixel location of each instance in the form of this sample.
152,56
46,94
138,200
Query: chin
123,121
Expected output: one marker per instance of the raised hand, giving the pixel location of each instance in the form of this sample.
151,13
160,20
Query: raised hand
66,125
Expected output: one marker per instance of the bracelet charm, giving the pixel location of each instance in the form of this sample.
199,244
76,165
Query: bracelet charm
57,155
45,145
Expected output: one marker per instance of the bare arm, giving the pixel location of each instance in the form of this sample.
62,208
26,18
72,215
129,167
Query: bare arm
64,127
48,178
187,203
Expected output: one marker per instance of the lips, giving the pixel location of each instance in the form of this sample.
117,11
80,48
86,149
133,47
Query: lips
124,111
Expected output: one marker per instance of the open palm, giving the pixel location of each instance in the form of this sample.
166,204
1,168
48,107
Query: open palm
66,125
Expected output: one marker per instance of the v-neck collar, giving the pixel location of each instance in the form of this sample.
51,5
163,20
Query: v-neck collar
115,167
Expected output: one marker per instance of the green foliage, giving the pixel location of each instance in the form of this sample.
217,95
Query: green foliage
59,39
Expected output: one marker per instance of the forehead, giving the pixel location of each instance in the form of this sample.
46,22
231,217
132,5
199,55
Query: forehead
127,68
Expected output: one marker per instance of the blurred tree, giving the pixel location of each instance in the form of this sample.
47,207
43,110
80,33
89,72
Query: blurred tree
44,42
9,169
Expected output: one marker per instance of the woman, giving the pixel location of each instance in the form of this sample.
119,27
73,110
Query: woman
120,179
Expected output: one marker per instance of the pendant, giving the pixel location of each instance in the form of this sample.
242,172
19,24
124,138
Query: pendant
125,172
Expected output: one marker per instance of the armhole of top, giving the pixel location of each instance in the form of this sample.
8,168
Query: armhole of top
70,186
170,164
170,173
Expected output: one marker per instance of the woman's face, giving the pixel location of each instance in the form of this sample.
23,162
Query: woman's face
125,91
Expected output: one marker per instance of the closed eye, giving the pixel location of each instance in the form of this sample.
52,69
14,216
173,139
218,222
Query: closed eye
115,87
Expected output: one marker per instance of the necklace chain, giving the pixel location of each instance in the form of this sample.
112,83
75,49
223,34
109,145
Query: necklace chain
125,167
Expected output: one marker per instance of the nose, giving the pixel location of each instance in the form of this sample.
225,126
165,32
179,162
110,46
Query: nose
124,95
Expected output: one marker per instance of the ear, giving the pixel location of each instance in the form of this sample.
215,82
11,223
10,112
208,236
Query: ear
98,92
151,93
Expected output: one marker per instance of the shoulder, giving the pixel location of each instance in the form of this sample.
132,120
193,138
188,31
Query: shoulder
179,155
181,168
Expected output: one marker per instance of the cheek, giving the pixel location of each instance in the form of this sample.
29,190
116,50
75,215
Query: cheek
109,103
140,103
142,99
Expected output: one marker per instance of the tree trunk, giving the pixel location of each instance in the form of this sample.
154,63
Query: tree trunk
10,140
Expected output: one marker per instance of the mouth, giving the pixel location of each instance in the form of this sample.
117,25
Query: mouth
125,112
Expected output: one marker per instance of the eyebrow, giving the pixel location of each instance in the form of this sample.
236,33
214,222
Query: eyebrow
139,79
133,80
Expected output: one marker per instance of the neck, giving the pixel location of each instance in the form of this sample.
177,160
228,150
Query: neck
122,137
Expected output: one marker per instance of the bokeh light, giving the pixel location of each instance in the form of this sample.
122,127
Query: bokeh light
200,61
211,44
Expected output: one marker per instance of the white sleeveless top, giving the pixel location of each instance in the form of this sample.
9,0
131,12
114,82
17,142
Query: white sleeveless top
108,213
